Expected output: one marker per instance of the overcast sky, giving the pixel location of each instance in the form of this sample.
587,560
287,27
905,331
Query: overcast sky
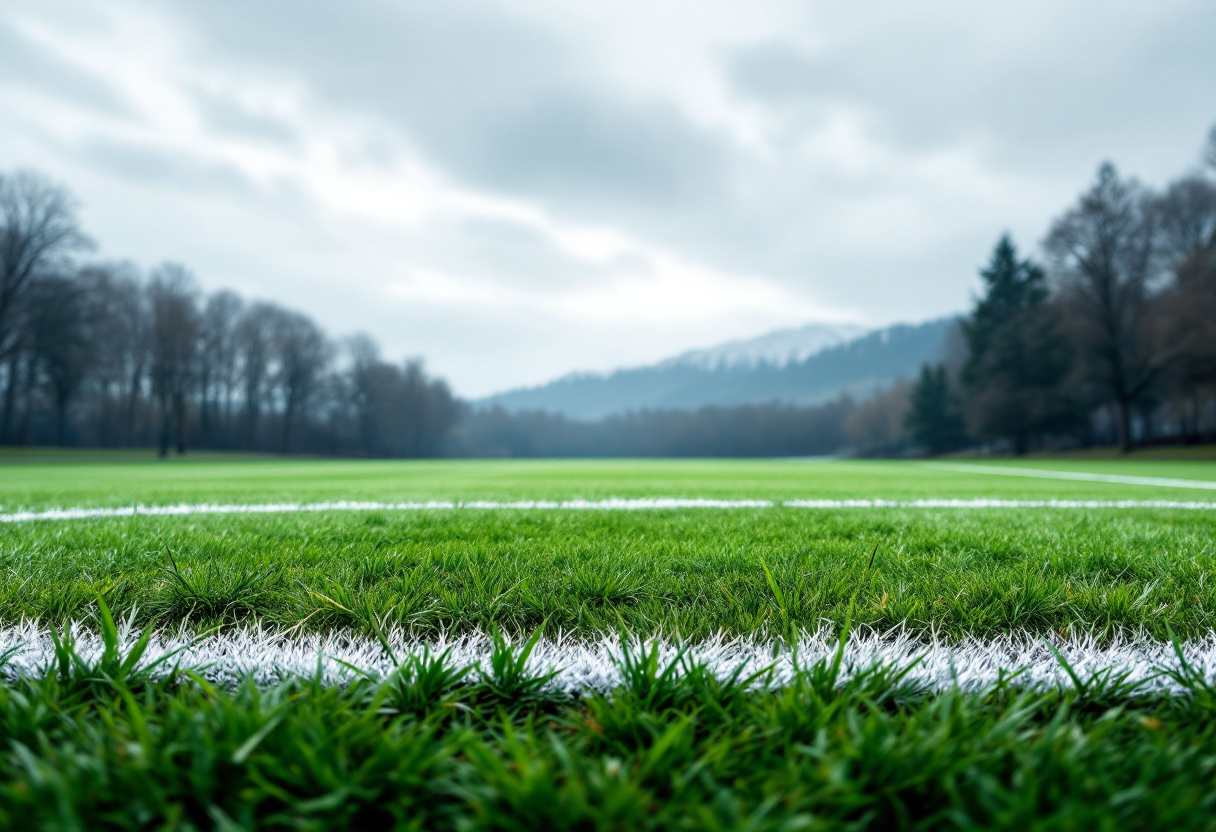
515,190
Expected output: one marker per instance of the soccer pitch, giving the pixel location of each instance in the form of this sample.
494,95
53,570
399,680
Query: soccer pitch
606,644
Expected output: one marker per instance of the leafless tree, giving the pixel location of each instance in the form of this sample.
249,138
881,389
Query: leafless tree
118,320
1187,316
303,354
173,304
38,230
1102,254
62,345
217,371
1186,220
364,356
410,412
253,347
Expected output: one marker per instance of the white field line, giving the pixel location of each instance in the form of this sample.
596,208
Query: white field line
610,504
269,657
1080,476
986,502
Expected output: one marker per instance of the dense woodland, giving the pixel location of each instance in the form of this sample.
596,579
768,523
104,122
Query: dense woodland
747,430
1110,339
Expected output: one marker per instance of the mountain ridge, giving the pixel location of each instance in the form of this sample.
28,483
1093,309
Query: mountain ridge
781,347
732,374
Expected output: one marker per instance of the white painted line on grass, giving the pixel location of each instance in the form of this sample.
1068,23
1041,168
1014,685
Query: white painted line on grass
271,657
985,502
1080,476
611,504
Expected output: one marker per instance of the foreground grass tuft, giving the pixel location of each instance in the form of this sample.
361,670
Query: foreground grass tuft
105,746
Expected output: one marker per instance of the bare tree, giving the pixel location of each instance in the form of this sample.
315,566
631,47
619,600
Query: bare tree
1102,253
1187,319
1209,152
38,230
253,347
173,304
303,354
364,355
61,342
217,371
118,322
1185,220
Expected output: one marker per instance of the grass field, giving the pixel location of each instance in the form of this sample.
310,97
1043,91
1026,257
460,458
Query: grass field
746,663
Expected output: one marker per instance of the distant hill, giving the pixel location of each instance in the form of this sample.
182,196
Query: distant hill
804,366
785,346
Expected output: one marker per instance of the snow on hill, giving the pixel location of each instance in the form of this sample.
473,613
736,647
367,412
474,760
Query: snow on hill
782,347
808,365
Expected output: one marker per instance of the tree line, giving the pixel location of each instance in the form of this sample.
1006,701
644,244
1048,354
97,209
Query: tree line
101,355
762,430
1111,339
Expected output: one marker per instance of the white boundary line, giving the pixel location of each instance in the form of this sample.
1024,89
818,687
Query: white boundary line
610,504
1080,476
985,502
270,657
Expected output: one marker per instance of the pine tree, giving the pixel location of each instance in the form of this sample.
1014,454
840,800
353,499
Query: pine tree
934,421
1013,380
1011,286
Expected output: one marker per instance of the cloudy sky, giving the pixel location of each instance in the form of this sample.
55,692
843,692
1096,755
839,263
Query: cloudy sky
519,189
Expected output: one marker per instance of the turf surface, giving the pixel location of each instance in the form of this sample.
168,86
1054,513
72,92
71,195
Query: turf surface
688,572
100,746
101,483
93,745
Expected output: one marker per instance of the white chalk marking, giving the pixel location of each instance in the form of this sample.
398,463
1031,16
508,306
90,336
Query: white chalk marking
1079,476
986,502
270,657
610,504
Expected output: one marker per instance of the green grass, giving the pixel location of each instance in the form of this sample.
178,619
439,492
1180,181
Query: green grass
689,572
1176,453
102,746
107,483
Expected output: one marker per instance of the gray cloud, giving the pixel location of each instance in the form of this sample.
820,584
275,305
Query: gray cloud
493,99
153,167
494,248
581,150
23,63
860,161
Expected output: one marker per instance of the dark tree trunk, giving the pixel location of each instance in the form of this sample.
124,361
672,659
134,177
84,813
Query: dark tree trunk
166,427
61,421
179,417
288,418
129,416
1123,411
10,400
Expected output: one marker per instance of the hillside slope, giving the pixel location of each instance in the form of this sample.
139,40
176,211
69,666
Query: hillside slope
856,366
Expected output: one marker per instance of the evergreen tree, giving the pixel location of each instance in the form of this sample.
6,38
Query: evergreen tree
1018,356
1010,287
933,420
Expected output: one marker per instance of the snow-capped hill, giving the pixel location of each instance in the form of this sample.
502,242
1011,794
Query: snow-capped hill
785,346
804,366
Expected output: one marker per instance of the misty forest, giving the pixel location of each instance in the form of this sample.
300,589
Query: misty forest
1106,336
